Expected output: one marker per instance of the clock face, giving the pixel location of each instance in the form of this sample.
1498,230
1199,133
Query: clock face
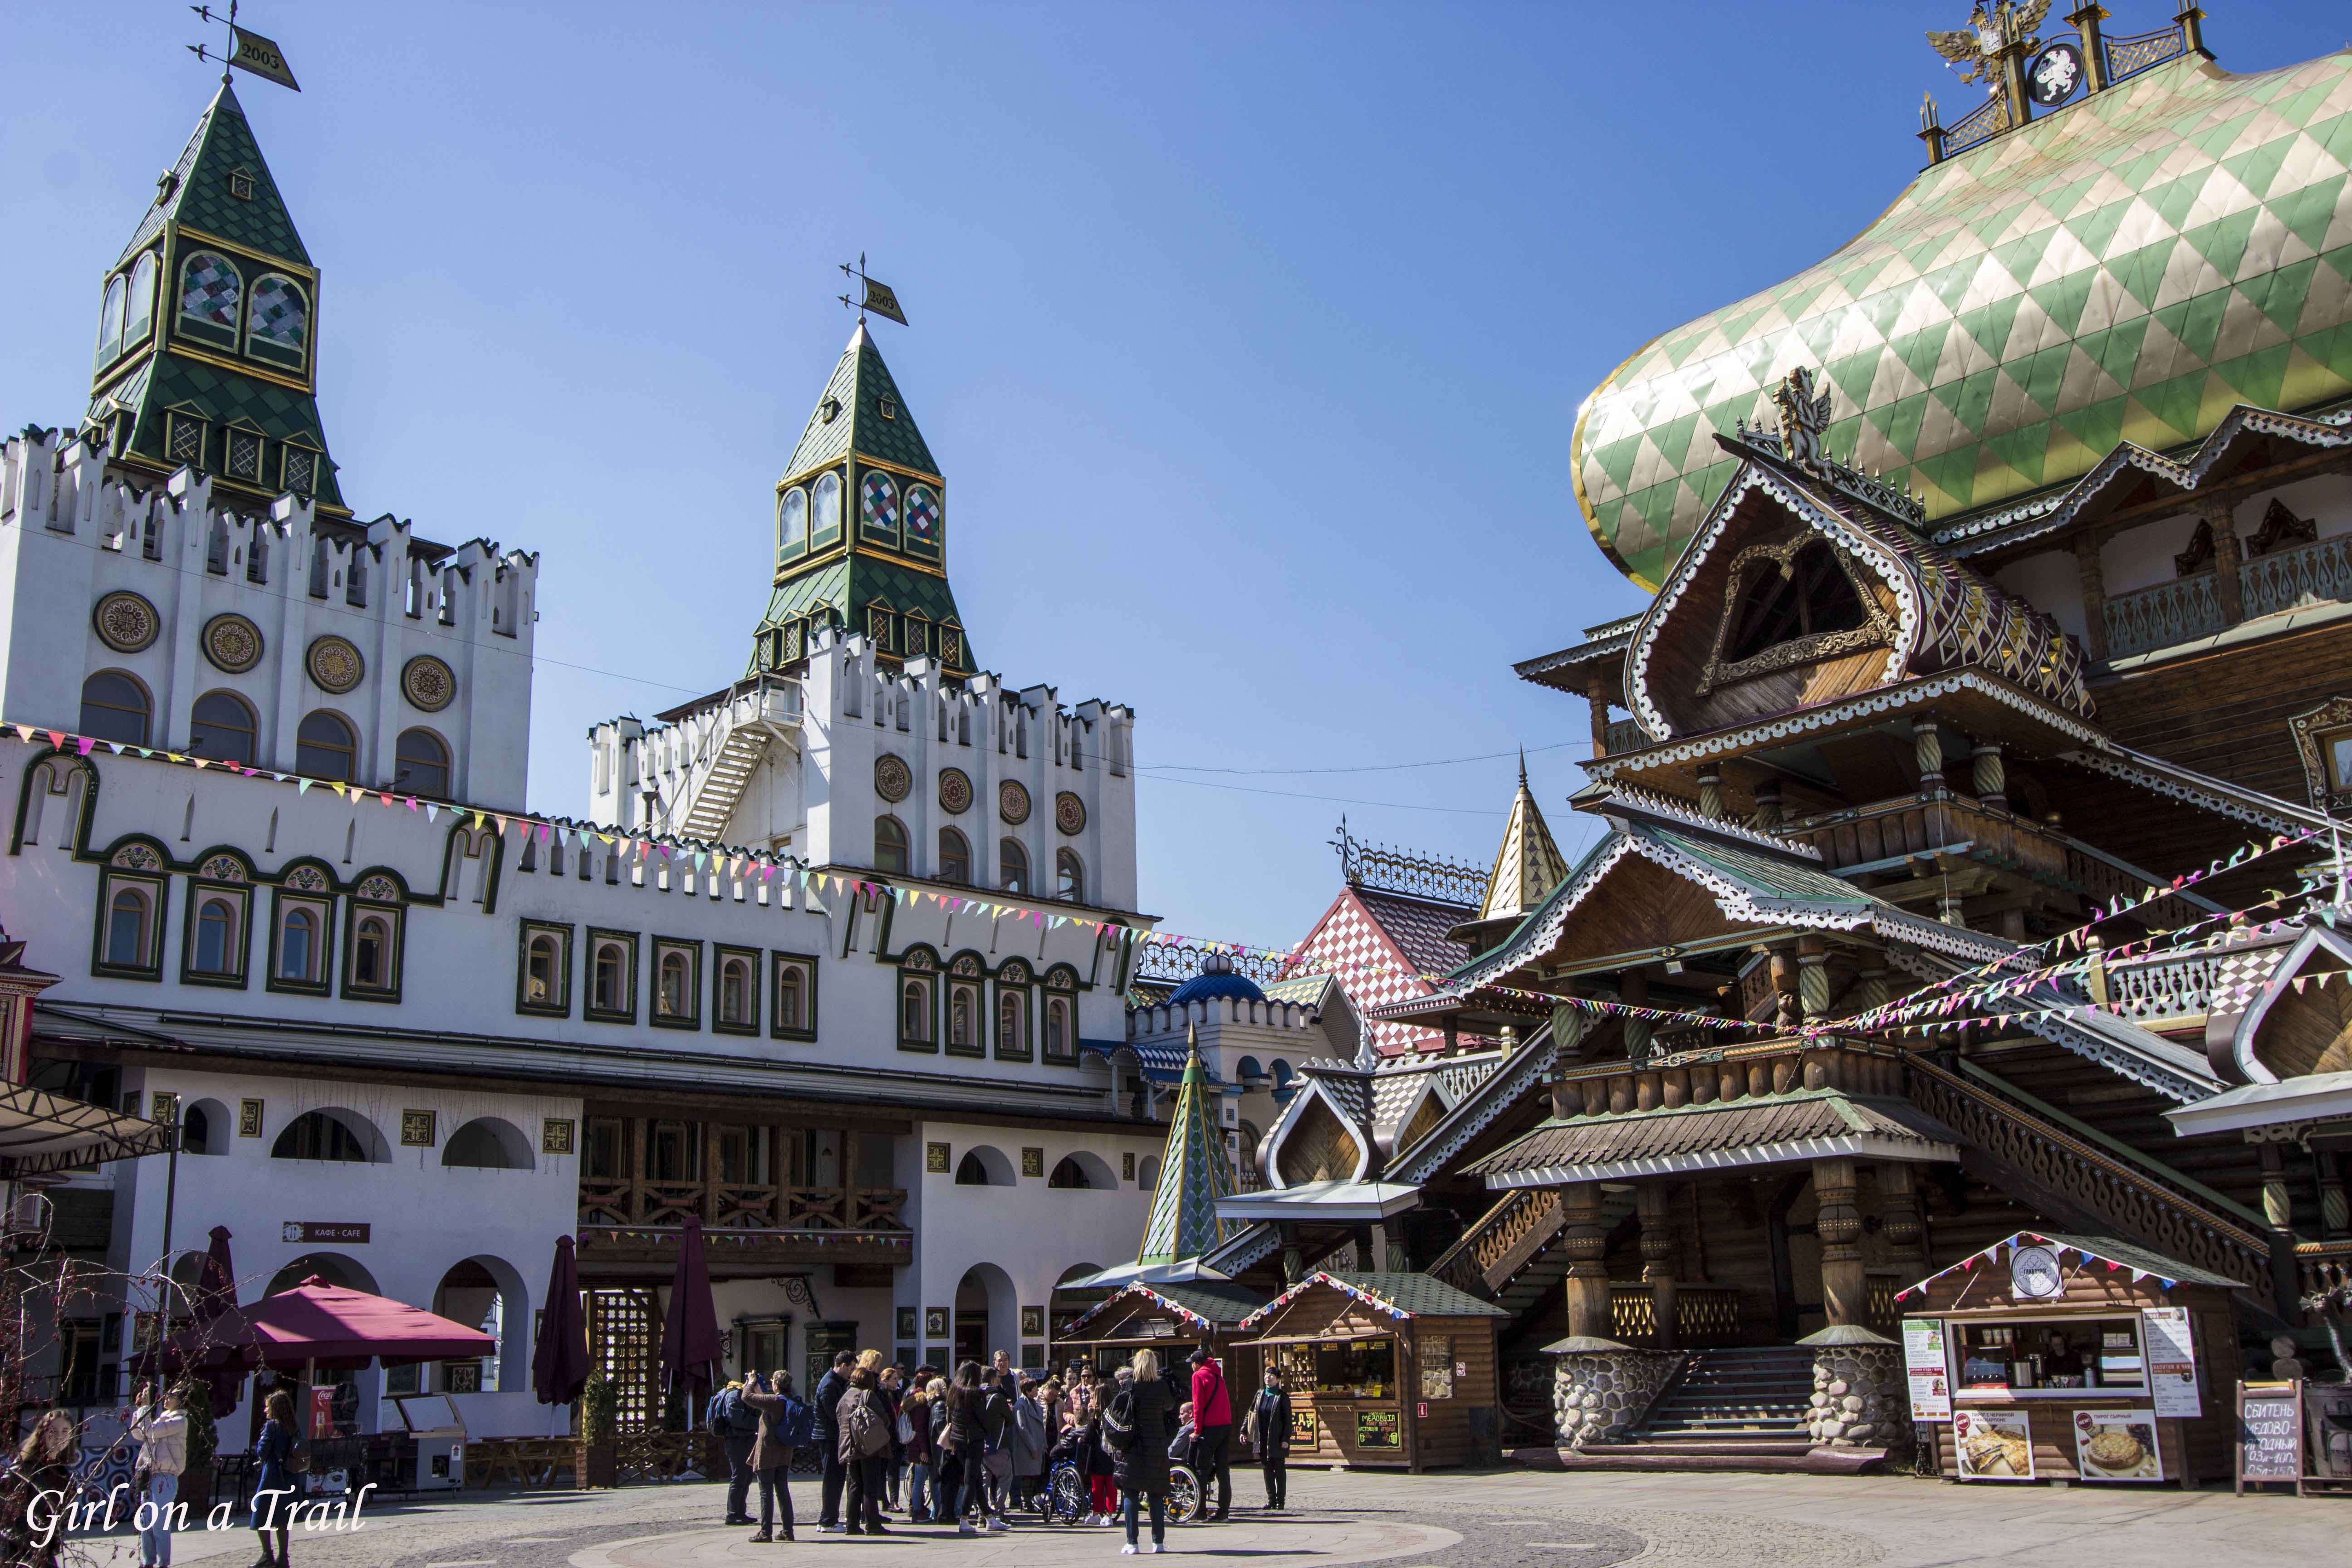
2034,1273
2056,72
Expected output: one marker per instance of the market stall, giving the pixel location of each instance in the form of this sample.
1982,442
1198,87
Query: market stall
2050,1357
1384,1370
1173,1319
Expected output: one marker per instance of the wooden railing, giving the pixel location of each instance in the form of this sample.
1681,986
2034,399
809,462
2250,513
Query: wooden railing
2314,573
740,1206
2137,1205
1498,1244
1703,1315
2164,614
1907,825
2322,1265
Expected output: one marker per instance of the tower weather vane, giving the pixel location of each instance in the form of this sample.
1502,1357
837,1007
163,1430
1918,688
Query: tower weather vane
874,296
247,51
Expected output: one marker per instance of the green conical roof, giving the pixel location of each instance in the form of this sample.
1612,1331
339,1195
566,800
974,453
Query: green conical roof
870,420
1193,1174
879,576
254,403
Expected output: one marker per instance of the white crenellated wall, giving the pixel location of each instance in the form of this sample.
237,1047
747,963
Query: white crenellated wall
72,531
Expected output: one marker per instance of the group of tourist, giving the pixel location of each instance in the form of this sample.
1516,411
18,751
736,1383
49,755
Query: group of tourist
975,1449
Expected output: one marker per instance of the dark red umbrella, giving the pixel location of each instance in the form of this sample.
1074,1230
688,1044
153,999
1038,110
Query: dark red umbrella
559,1367
319,1324
690,1342
216,1290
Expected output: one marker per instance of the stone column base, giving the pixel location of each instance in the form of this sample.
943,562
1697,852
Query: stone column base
1602,1389
1860,1397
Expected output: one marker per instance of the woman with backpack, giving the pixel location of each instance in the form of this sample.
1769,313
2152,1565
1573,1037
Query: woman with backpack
786,1424
1139,1424
863,1419
274,1487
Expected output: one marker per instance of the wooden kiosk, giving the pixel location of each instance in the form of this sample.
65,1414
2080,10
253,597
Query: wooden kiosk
2074,1358
1173,1319
1384,1369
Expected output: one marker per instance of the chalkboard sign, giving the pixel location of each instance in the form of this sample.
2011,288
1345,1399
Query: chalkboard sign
2270,1434
1379,1429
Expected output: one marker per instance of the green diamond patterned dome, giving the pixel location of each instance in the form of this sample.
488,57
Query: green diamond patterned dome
2126,269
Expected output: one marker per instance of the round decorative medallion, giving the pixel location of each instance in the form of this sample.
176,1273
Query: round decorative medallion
1069,813
232,643
955,792
891,778
427,683
1012,802
336,665
2053,77
126,622
2034,1273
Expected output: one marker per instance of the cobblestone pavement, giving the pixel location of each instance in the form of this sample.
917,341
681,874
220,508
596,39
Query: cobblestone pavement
1475,1519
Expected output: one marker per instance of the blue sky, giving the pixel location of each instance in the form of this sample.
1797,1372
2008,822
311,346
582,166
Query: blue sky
1249,338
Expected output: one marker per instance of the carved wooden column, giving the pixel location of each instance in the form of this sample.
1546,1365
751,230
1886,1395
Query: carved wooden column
1633,990
1569,1026
1710,793
1870,986
2229,558
1768,806
1838,1227
2093,577
2335,1213
1813,975
1899,1216
1928,751
1584,1239
2278,1203
1787,1011
1596,693
1294,1261
1991,774
1658,1249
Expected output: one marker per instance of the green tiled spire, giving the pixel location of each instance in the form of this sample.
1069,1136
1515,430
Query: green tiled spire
1193,1174
2127,268
217,368
861,528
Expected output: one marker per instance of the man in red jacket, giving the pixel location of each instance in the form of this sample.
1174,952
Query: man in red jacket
1213,1431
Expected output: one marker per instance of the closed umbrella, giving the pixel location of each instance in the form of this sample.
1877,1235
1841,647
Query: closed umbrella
690,1342
559,1366
214,1298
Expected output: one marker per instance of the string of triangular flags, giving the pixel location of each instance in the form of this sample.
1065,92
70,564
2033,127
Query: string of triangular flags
1992,1255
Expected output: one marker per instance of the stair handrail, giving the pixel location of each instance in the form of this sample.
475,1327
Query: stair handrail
2228,1247
1464,1265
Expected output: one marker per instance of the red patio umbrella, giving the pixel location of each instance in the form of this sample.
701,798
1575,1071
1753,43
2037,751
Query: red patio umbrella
320,1325
559,1366
690,1342
216,1290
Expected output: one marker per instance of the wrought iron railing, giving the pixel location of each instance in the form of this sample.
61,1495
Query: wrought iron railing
2134,52
2137,1205
1381,867
2164,614
2315,574
1984,122
1155,962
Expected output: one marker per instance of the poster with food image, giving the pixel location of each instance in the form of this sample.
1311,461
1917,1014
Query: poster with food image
1994,1445
2118,1446
2328,1418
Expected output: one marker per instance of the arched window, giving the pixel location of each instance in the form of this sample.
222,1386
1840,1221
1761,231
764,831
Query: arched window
216,938
791,522
278,323
1012,867
955,856
611,980
539,972
196,1132
1012,1018
960,1030
221,729
209,290
316,1135
371,953
421,765
824,509
734,992
970,1171
114,708
487,1143
1810,595
1069,1173
792,1011
297,944
890,845
139,313
1147,1173
325,747
672,1000
1069,877
126,928
110,322
1058,1035
915,1012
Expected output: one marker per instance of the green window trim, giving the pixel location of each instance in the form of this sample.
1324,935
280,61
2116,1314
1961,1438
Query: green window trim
557,1003
205,895
358,929
626,1012
805,966
157,891
721,955
682,1010
282,904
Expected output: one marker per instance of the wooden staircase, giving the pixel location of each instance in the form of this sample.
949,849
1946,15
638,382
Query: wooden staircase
1739,1408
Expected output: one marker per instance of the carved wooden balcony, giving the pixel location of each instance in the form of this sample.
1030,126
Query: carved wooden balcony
2168,613
624,1221
1879,836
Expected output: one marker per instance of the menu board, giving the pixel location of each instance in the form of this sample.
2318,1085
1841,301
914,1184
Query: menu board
2171,1345
2270,1432
1994,1445
1379,1429
2118,1446
1923,1361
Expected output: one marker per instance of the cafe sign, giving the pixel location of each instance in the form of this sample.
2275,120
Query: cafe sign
304,1231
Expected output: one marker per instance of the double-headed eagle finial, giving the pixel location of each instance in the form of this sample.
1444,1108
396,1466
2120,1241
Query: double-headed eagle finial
1995,27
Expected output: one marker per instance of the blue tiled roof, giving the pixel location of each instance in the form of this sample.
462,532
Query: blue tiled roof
1162,1063
1204,986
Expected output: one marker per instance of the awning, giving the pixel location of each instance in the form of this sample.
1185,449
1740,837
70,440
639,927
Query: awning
2314,1098
329,1326
1331,1203
1758,1130
41,1133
